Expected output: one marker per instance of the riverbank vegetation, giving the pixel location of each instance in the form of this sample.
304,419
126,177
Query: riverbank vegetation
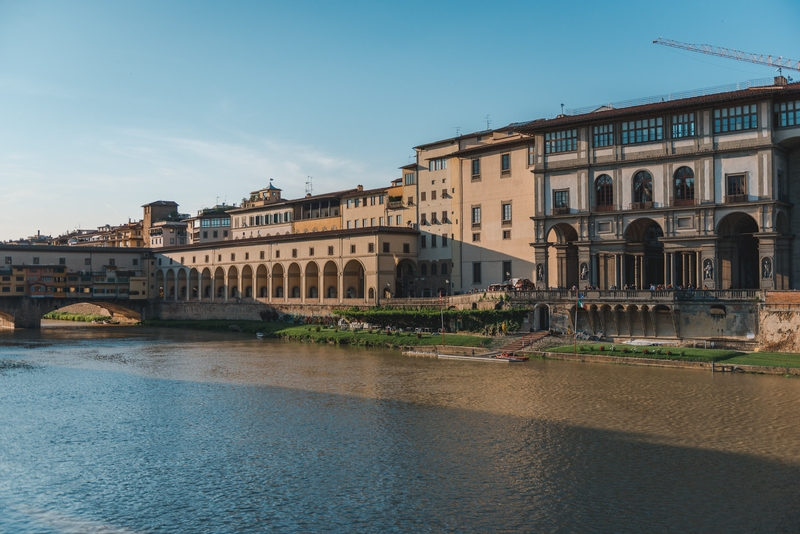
79,317
488,322
327,334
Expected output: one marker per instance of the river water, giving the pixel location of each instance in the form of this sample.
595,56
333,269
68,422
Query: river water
113,429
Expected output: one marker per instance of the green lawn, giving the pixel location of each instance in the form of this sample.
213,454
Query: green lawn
67,316
770,359
328,335
655,353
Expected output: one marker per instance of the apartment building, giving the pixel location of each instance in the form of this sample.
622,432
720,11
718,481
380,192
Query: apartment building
263,214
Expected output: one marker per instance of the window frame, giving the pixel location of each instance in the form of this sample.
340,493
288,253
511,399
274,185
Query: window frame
640,131
561,141
638,180
505,163
476,216
603,135
683,126
683,192
723,117
604,192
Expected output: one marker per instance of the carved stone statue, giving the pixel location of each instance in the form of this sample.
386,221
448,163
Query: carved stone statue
708,270
584,271
766,268
539,272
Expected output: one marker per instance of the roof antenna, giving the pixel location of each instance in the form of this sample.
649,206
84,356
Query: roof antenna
562,109
309,186
458,130
488,122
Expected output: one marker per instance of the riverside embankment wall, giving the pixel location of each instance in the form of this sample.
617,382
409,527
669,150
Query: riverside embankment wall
779,318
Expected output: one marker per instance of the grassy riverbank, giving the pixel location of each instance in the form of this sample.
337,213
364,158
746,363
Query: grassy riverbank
327,334
79,317
687,354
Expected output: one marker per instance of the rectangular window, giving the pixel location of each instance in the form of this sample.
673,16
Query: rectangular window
444,240
423,218
683,125
363,223
787,114
561,199
381,221
349,224
506,234
386,247
261,255
310,251
437,164
277,254
433,195
372,221
8,260
36,261
476,168
603,135
476,215
409,178
476,237
531,155
406,248
563,141
735,118
135,261
642,131
433,241
507,212
371,248
423,196
330,251
294,252
423,241
736,188
62,261
398,220
233,256
206,258
205,235
505,163
476,273
506,270
380,199
216,233
352,249
355,223
444,217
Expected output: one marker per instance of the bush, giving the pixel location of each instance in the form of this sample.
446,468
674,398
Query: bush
318,328
602,348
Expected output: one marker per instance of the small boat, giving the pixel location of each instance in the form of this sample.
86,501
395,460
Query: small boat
511,358
260,335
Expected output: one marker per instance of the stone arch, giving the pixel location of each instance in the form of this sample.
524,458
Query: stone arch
371,294
562,256
277,281
194,283
247,281
219,283
405,278
330,280
312,280
738,251
294,280
233,281
206,291
160,283
262,277
353,279
169,286
182,283
644,253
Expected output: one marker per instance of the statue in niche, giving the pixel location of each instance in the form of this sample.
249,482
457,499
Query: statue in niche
584,271
708,270
539,272
766,268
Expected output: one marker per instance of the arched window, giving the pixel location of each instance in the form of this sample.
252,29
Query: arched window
444,268
433,269
423,270
604,191
684,187
642,187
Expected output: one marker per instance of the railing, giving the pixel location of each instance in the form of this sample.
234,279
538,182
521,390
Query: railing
560,211
684,202
610,207
641,205
735,199
395,204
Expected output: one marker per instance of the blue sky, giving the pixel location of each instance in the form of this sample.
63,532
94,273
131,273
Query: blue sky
105,106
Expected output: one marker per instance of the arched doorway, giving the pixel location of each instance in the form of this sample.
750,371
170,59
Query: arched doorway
562,256
206,276
233,281
293,277
738,252
277,281
247,281
644,254
353,278
330,280
312,281
194,284
261,281
219,283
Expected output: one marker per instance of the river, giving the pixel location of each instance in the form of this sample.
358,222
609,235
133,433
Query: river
115,429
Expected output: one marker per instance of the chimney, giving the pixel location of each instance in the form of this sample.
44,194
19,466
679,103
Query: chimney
360,187
781,80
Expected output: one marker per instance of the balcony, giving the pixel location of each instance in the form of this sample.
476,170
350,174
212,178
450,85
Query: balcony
683,202
642,205
609,207
561,211
395,204
735,199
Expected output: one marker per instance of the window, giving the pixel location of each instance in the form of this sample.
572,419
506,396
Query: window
399,220
386,247
406,248
245,257
380,199
561,199
506,234
8,260
310,251
683,125
423,270
135,261
444,216
216,234
735,118
433,241
563,141
476,168
62,261
371,248
330,251
444,193
205,235
476,215
423,241
423,218
736,188
349,224
506,270
277,254
352,249
233,256
219,257
355,223
642,187
261,255
433,269
506,212
444,240
476,238
409,178
444,269
381,221
505,163
787,114
604,191
437,164
206,258
603,135
476,273
36,261
642,131
423,196
294,252
684,187
372,221
531,155
433,195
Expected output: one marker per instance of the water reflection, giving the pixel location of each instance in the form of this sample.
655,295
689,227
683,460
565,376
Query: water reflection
183,431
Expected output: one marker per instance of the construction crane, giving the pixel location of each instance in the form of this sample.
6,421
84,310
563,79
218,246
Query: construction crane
759,59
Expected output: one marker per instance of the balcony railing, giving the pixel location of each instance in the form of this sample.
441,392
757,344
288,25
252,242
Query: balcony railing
395,204
735,199
609,207
560,211
642,205
684,202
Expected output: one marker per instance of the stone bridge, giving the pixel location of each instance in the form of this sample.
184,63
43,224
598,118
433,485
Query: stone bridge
27,312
